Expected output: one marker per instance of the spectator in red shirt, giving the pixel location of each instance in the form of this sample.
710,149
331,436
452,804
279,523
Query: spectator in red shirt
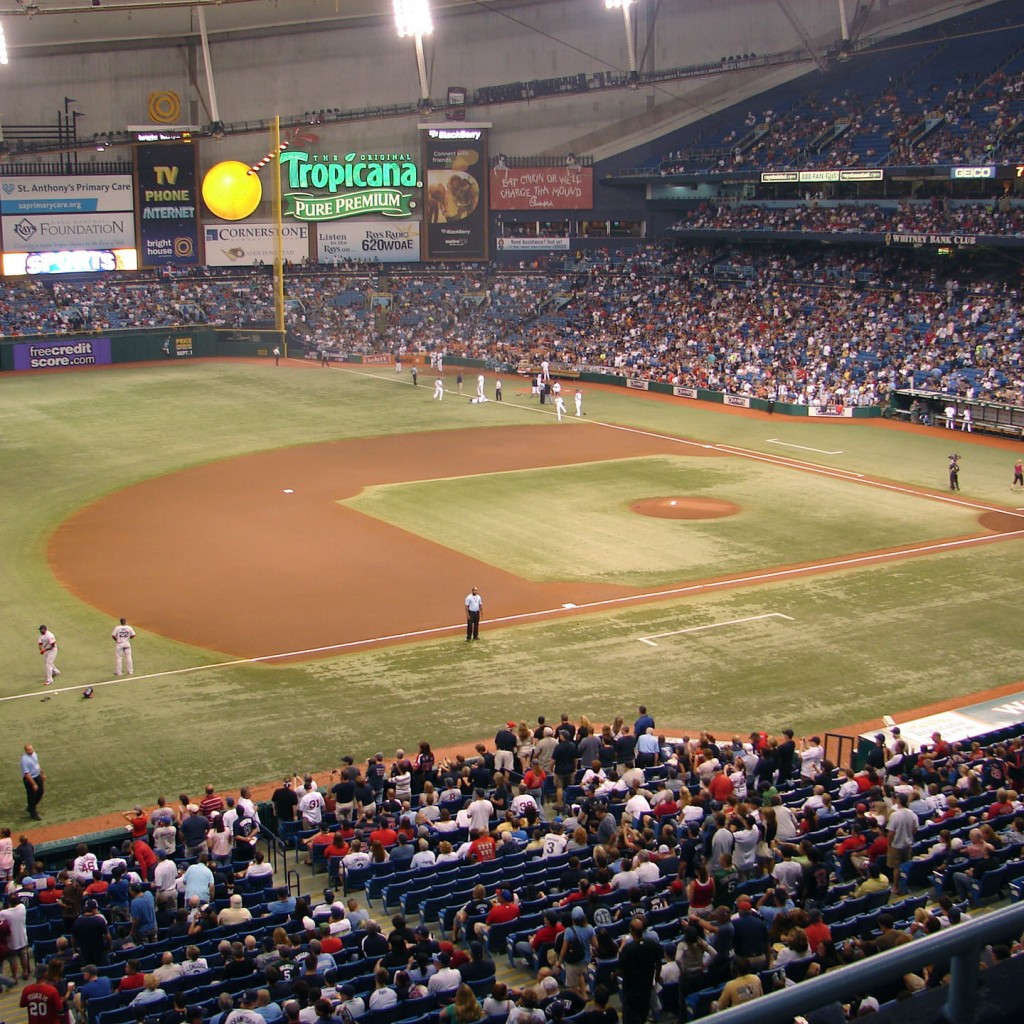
940,748
876,852
144,857
211,803
384,834
720,787
133,977
665,806
322,838
138,822
483,847
97,887
1003,805
534,780
51,894
816,929
42,1000
952,810
503,910
582,892
844,851
542,939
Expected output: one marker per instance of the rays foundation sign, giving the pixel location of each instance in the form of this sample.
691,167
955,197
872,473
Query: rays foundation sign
322,188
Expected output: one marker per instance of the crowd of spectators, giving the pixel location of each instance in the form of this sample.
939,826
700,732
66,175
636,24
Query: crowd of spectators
671,867
976,121
931,216
803,327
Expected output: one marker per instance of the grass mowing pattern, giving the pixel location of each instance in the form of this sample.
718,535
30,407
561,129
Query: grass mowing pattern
862,641
568,523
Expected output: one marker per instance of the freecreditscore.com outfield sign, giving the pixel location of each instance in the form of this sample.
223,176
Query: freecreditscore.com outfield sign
323,187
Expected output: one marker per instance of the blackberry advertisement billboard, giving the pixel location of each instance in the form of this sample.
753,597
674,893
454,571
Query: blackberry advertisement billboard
455,190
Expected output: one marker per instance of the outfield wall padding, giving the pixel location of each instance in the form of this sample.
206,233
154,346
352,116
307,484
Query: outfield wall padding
153,344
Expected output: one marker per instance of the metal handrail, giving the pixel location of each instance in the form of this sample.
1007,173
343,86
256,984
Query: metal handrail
961,945
275,846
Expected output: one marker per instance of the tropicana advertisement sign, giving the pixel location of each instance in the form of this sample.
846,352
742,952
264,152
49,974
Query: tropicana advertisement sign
321,187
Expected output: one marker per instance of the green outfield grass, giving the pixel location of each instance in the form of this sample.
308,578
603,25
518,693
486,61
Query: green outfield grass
856,644
568,523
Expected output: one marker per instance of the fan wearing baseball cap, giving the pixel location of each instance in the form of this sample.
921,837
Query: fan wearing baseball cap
504,908
90,934
505,748
751,935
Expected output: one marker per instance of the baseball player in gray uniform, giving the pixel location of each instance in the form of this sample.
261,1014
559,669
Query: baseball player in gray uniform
123,634
48,649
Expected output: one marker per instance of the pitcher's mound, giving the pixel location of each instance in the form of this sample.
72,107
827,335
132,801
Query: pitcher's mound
684,508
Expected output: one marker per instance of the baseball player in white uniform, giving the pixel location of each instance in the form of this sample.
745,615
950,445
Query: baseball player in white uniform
123,634
480,386
439,389
559,407
48,649
579,402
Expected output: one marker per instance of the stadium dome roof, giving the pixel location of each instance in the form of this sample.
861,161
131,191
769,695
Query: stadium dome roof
43,24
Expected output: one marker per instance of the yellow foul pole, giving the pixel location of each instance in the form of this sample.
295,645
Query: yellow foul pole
275,146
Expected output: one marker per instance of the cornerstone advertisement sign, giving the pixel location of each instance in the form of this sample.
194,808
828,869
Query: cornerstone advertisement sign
101,193
166,189
69,231
542,188
397,242
53,355
322,187
249,243
454,163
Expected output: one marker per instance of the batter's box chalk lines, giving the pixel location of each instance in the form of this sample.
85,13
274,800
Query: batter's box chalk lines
649,640
802,447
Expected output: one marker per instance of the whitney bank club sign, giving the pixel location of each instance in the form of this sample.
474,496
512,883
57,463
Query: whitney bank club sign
321,187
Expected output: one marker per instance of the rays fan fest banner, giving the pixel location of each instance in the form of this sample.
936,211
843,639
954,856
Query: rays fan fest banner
455,192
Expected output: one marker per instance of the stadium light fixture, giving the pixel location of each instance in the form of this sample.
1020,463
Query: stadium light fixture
625,5
412,18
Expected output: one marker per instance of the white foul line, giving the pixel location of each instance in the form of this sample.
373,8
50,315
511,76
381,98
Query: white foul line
649,640
692,588
802,447
747,453
608,602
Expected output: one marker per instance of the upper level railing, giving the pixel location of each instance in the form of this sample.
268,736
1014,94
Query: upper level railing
961,945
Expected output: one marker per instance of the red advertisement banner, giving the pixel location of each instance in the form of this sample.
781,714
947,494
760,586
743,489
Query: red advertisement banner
542,188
